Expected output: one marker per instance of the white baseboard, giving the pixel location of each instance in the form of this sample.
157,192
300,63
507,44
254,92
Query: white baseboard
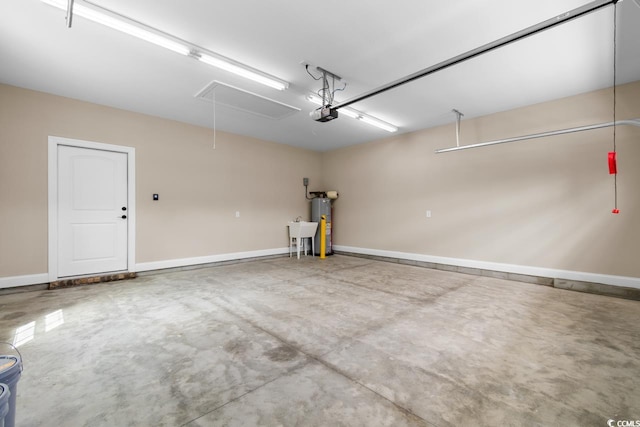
623,281
185,262
37,279
30,279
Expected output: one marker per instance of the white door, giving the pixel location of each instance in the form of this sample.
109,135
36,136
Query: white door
92,211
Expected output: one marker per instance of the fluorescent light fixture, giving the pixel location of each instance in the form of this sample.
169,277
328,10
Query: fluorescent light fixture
349,112
355,114
245,72
116,24
378,123
170,43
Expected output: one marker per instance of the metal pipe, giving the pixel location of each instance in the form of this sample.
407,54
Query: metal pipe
69,13
458,116
542,26
632,122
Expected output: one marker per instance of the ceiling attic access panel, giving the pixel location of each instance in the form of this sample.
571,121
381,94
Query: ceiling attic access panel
245,101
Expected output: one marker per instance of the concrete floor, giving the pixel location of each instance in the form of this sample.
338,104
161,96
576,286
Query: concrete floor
340,342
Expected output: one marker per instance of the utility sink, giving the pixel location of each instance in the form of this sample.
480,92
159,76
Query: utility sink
298,231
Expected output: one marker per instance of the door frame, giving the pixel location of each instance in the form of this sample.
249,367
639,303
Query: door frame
54,142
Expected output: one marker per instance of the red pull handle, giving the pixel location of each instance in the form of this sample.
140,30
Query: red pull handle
613,167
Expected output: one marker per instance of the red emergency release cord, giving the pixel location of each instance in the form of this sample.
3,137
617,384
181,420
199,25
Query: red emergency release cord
613,170
613,167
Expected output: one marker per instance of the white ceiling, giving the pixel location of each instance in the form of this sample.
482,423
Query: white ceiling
369,43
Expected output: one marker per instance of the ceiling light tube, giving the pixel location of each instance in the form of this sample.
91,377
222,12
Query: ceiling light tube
122,26
315,99
171,44
242,71
378,123
350,112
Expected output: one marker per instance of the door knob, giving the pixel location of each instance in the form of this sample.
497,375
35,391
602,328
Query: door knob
124,217
124,208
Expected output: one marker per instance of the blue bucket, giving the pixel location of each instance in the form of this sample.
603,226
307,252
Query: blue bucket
10,372
4,402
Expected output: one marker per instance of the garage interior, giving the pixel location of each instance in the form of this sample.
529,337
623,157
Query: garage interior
482,262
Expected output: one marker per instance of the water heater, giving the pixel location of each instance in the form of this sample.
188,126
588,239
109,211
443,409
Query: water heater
321,206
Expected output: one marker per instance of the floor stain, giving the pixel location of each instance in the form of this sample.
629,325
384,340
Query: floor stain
236,347
282,353
16,315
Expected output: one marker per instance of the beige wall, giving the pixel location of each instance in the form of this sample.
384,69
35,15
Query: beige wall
543,203
200,188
